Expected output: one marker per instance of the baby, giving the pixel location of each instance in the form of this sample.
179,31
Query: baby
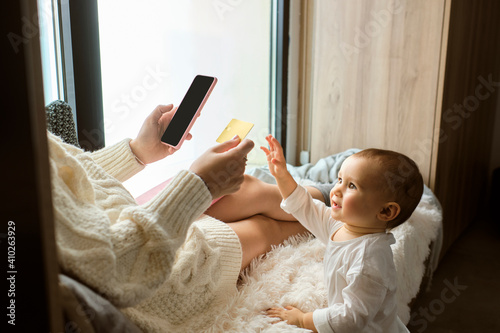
376,190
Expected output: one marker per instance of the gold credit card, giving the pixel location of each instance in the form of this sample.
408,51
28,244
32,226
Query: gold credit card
235,127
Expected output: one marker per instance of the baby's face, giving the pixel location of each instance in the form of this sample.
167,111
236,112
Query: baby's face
357,198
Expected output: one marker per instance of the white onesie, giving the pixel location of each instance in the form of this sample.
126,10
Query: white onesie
360,276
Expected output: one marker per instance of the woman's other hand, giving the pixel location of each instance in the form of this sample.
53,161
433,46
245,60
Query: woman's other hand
222,167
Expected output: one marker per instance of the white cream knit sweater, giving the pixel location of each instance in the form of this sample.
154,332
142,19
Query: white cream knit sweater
165,272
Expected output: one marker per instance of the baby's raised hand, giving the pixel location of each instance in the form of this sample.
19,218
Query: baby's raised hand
275,157
277,167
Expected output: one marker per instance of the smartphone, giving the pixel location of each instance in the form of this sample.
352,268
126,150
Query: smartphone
188,110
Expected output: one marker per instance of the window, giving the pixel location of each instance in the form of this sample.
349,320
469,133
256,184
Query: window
151,51
145,53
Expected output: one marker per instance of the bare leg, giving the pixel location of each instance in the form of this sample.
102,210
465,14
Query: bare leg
254,197
257,217
259,233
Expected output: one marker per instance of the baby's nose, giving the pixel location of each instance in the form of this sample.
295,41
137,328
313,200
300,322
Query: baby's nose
336,191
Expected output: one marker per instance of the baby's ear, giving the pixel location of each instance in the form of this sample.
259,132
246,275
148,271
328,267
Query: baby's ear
389,211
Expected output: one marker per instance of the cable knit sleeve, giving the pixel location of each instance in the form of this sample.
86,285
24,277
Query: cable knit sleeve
145,238
118,160
120,249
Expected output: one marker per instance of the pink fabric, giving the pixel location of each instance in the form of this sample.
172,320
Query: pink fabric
148,195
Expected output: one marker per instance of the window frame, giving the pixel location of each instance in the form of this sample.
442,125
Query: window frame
279,62
79,25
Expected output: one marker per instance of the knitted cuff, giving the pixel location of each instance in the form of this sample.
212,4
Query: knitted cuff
118,160
182,201
229,246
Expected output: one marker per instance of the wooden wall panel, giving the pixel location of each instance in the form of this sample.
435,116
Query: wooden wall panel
470,100
375,76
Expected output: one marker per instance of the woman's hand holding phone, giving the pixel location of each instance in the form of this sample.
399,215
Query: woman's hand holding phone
148,146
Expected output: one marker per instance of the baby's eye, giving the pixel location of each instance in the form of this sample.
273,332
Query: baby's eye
352,186
339,180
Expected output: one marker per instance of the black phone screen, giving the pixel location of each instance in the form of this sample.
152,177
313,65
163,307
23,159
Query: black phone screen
187,109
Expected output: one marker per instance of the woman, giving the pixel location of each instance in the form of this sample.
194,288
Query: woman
165,264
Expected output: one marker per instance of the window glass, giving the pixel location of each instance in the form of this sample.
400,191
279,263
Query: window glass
151,51
47,20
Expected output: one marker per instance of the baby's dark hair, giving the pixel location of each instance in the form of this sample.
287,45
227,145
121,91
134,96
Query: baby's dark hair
400,179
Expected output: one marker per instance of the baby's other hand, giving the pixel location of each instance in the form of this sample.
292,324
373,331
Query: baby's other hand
291,315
